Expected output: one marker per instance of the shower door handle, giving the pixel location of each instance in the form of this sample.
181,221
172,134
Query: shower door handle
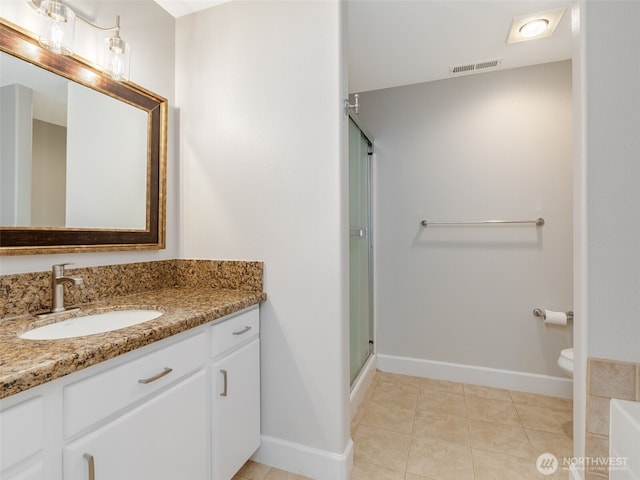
358,232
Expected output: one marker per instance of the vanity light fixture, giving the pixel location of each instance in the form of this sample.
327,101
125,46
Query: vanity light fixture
57,34
534,26
117,55
58,27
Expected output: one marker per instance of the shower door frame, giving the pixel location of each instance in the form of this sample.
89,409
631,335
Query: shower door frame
371,320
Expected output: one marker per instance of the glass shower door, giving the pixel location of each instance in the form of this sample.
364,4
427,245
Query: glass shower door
360,250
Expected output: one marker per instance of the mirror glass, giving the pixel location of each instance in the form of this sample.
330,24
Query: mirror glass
74,157
82,157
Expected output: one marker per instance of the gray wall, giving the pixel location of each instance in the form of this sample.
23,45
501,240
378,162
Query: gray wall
49,175
491,146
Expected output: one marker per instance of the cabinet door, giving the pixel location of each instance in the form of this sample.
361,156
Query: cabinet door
33,472
22,431
165,438
235,409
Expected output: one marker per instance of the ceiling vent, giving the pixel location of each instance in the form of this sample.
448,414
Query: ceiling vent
473,67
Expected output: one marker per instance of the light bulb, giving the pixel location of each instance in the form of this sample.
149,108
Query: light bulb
116,58
534,27
57,28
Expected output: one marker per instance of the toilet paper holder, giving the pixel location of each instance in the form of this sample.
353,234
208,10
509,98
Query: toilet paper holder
538,312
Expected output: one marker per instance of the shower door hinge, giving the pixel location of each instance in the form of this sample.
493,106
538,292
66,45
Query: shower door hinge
352,108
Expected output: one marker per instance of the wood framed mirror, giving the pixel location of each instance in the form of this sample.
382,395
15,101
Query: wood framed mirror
105,190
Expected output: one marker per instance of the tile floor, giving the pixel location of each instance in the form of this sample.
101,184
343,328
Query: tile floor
411,428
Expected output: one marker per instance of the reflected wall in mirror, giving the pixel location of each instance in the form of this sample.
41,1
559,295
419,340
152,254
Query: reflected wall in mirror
75,146
82,157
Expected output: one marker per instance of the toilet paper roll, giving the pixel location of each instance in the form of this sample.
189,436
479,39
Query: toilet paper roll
554,318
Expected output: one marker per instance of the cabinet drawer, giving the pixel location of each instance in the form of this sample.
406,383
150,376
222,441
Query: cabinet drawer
236,330
21,431
92,399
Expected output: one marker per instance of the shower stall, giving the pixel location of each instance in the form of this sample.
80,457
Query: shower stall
360,249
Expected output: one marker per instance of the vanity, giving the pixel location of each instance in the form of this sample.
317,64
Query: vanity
174,397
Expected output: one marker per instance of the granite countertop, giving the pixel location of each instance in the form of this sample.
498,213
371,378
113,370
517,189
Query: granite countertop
27,363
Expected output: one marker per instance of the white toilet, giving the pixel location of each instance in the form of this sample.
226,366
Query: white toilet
565,362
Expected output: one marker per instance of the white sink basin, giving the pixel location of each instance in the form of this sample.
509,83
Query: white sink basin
90,324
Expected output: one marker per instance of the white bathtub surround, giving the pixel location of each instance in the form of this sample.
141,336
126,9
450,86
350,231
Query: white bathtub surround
624,440
607,381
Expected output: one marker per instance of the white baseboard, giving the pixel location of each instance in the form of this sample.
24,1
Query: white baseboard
363,382
303,460
490,377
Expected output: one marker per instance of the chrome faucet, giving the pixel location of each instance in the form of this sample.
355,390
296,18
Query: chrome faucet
58,278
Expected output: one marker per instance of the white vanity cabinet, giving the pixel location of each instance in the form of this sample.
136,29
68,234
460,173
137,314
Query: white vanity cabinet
22,438
186,407
32,472
165,438
162,438
235,402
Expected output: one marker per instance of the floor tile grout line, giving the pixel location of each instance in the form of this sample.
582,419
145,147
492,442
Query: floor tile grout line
473,461
415,409
420,388
413,426
466,412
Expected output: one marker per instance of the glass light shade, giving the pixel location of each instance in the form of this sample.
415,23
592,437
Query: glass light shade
117,57
58,27
534,27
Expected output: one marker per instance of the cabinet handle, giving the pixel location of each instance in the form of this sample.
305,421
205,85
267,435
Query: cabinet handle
92,467
166,371
224,378
244,330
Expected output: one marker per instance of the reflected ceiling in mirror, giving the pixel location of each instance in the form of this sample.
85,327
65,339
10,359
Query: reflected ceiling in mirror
98,183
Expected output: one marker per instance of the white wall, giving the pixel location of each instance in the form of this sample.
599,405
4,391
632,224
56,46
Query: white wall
607,175
104,173
491,146
612,142
16,162
260,88
150,31
580,250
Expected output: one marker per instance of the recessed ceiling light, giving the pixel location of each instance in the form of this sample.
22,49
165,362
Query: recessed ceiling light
537,25
534,27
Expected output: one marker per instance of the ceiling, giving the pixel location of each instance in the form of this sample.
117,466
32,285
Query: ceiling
397,42
402,42
178,8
